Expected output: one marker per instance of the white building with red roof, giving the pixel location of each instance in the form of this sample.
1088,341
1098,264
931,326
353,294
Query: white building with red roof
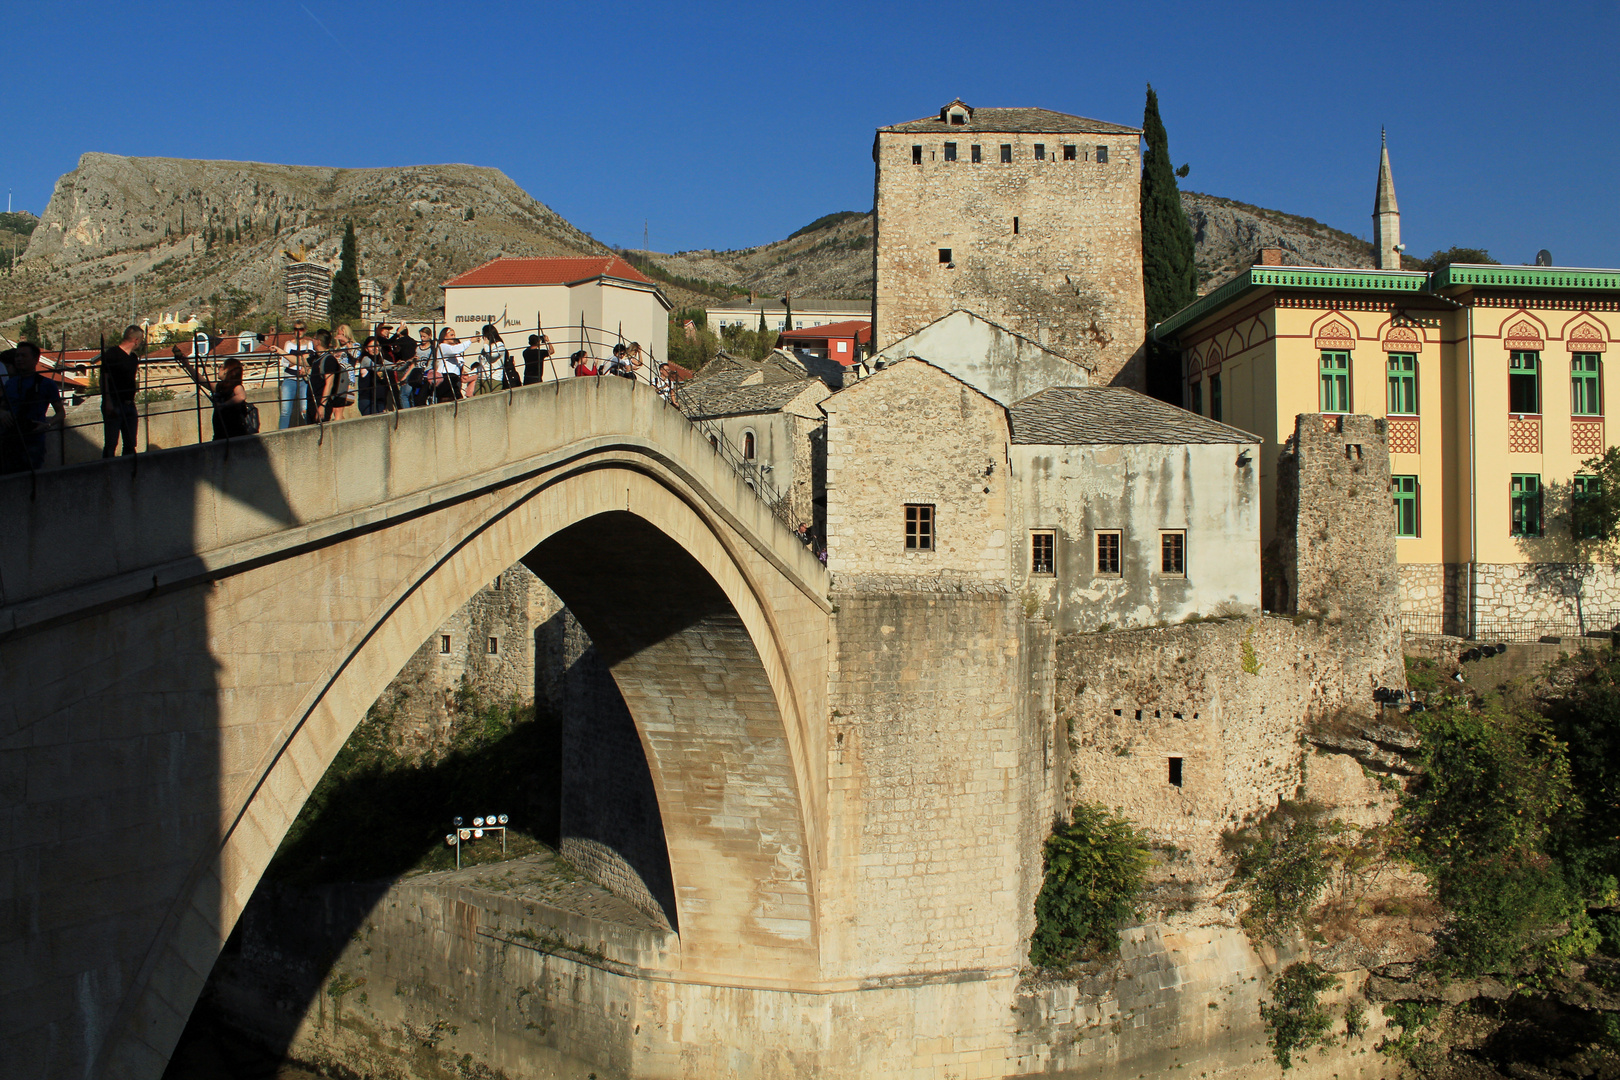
580,302
845,342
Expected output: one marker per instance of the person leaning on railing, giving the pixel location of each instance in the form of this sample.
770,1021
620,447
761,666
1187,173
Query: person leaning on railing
294,370
234,415
120,379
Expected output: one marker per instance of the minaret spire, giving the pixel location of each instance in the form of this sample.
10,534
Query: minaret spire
1386,213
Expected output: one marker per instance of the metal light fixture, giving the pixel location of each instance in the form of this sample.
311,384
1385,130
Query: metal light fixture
480,825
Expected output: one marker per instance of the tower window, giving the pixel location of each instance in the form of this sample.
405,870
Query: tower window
958,118
975,154
1068,152
1102,155
1006,153
1015,226
916,155
494,646
1040,151
444,644
945,255
919,527
1175,771
1043,552
950,151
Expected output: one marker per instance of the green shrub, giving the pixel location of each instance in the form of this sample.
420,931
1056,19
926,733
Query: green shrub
1411,1017
1096,867
1283,865
1294,1016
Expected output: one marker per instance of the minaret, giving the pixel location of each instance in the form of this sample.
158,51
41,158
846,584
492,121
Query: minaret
1386,215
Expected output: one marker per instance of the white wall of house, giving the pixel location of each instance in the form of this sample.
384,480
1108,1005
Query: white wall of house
993,360
604,305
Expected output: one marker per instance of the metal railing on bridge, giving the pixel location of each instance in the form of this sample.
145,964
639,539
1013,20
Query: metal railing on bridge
174,386
1512,631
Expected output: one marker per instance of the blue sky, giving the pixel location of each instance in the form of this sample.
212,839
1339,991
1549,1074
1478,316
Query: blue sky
727,125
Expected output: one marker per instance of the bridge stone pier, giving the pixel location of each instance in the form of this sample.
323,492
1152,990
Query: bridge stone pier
853,788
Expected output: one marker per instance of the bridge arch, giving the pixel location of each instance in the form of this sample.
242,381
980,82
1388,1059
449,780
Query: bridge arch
709,614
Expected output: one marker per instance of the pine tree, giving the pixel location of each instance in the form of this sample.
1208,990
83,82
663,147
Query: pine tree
1169,273
344,304
30,329
399,291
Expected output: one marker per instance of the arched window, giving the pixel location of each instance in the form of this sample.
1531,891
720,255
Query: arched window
714,442
748,446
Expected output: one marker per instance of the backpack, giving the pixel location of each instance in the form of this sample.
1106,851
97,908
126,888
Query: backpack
250,418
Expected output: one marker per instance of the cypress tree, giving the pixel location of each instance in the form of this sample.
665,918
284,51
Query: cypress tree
399,291
344,304
30,329
1169,273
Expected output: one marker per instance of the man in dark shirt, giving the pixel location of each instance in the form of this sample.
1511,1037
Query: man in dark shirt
120,378
29,395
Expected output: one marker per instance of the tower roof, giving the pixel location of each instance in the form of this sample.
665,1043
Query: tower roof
1384,201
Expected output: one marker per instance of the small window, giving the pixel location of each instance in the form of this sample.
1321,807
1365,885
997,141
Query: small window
974,152
1584,379
1108,552
748,446
1173,553
1068,152
1006,153
958,118
496,584
843,346
494,647
714,442
444,644
1015,226
916,155
1585,517
1402,384
1196,402
945,255
1334,396
1175,772
1524,382
950,151
1043,552
1524,495
1404,489
1214,397
1102,155
1040,151
919,527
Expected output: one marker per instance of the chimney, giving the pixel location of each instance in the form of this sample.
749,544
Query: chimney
1268,256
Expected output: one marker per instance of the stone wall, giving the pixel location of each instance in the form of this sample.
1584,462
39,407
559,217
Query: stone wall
1070,276
1509,599
913,434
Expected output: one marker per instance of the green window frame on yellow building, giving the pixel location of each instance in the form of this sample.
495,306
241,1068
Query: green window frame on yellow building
1335,395
1524,501
1402,384
1583,523
1404,489
1524,382
1585,385
1198,398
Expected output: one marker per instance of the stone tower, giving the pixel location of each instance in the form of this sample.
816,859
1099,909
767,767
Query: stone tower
1386,214
1027,217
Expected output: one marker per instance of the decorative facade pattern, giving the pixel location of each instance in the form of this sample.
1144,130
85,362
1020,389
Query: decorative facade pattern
1586,338
1402,339
1586,436
1403,435
1335,335
1524,435
1523,334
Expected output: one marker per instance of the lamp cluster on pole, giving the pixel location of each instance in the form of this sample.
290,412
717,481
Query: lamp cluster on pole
465,834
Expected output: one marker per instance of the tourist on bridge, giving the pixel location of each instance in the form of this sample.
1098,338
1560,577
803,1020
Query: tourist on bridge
534,358
120,379
28,396
330,378
294,371
234,415
495,357
583,364
371,380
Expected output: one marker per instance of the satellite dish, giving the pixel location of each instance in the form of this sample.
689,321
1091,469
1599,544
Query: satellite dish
1543,257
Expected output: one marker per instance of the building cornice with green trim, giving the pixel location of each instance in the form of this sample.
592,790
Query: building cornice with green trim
1447,281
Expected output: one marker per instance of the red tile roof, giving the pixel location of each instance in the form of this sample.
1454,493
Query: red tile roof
549,271
859,329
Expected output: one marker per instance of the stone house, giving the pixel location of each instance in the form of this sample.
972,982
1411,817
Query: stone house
1100,505
767,413
1029,216
1134,511
992,359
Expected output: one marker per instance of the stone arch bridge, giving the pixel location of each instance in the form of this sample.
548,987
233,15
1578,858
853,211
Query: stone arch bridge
189,637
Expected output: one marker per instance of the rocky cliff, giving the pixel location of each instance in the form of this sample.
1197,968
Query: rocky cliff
207,236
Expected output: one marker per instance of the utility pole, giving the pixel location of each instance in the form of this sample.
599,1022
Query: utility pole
645,245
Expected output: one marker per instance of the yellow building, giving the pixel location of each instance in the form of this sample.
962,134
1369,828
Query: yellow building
1491,381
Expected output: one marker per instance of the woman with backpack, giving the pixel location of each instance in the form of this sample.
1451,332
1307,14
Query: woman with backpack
234,415
331,378
495,356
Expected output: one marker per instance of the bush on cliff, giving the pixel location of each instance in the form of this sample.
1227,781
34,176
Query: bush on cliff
1096,867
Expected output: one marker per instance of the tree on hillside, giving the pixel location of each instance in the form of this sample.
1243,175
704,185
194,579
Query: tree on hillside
30,330
344,304
1169,273
1457,255
761,329
399,291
